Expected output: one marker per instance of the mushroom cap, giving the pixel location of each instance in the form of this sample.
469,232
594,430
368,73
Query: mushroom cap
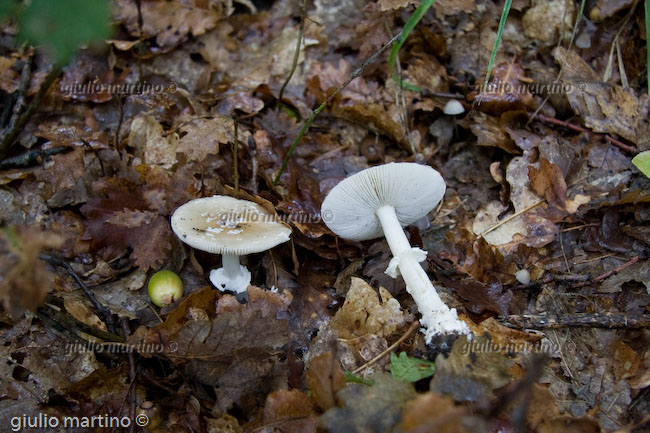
453,107
225,225
412,189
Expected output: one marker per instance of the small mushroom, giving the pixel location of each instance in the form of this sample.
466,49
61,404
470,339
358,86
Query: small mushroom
453,108
230,227
381,200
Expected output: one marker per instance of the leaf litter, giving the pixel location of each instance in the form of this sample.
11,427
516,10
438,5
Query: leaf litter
540,182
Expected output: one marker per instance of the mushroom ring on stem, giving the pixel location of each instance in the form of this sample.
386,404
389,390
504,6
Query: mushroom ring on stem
231,227
380,201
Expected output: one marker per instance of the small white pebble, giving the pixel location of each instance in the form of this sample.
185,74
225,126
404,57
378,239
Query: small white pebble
523,276
453,107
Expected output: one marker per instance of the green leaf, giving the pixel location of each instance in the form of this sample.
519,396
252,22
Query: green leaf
403,367
353,378
62,26
642,162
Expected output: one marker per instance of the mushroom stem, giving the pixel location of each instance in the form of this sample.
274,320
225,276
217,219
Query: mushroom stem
437,318
230,264
232,276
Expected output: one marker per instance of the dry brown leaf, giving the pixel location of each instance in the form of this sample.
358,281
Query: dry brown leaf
9,78
548,19
605,108
202,137
433,412
289,411
324,379
363,313
470,376
150,142
388,5
169,22
24,282
376,408
544,417
453,7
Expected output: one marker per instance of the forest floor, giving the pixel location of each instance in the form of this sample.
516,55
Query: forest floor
541,243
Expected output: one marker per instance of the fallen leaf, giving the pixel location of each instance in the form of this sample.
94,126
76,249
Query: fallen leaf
24,282
363,313
470,377
403,367
324,379
376,408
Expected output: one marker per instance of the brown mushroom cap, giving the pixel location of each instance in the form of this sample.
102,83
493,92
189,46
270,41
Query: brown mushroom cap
225,225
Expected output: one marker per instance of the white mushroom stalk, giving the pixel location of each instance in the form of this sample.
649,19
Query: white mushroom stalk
437,318
381,200
232,228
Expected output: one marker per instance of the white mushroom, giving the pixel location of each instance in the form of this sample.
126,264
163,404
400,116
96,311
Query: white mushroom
453,108
381,200
232,228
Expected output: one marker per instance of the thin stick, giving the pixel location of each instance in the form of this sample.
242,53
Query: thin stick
355,74
511,217
235,156
104,313
296,54
12,131
138,5
124,322
583,226
593,320
577,128
412,328
608,273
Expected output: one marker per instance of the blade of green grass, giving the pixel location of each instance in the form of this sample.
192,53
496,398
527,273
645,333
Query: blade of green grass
502,23
406,31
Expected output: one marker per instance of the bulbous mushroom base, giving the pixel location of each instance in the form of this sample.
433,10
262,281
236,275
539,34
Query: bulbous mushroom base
441,322
238,284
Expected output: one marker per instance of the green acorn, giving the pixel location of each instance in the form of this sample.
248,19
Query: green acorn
164,288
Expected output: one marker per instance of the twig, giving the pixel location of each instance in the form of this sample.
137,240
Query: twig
355,74
577,128
124,322
71,323
104,313
12,131
31,157
511,217
138,5
235,155
296,54
591,320
608,273
252,151
119,125
9,113
582,226
412,328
